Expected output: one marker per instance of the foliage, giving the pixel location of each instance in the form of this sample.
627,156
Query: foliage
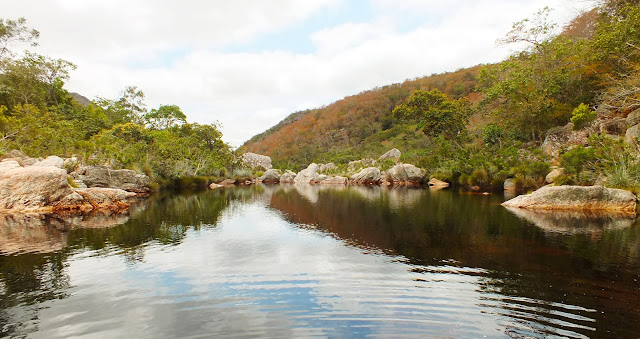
435,112
39,117
582,116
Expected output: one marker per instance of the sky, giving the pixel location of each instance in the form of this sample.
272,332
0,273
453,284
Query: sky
247,64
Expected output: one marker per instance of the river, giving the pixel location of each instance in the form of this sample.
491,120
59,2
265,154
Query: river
306,261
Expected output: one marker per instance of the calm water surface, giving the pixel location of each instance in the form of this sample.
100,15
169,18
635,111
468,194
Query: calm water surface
301,261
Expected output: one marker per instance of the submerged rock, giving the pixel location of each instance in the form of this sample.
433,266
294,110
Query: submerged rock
576,198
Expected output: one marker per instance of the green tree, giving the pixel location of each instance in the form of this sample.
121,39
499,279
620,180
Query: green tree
581,116
435,112
12,31
165,116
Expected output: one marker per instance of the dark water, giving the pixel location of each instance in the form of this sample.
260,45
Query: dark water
308,261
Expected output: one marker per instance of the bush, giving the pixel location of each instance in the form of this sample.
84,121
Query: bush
582,116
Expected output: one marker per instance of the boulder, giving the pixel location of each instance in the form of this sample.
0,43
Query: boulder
257,160
10,163
569,198
228,182
128,180
406,175
32,188
367,176
560,137
270,177
393,154
553,175
633,118
510,185
327,167
615,126
632,135
99,198
213,185
308,175
51,161
334,181
437,184
288,177
14,154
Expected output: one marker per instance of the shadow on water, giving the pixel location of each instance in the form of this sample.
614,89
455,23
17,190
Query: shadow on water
555,273
542,274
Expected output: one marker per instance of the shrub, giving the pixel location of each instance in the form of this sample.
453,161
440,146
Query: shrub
582,116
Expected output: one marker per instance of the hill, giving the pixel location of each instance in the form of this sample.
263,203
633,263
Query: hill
357,126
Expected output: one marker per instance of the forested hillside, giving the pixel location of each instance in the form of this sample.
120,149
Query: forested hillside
482,125
39,117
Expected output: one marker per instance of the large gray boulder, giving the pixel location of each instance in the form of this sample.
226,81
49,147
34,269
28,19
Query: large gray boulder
554,175
257,160
270,177
308,175
393,154
406,175
128,180
367,176
561,137
576,198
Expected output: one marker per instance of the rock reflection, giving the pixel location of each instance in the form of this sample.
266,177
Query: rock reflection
572,222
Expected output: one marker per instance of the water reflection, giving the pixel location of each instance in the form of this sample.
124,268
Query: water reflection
298,261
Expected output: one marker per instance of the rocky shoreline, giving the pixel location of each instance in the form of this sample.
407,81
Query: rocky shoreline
56,185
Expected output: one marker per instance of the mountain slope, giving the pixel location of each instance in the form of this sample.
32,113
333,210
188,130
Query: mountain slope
354,127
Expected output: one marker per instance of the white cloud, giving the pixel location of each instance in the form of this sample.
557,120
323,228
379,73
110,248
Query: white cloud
177,52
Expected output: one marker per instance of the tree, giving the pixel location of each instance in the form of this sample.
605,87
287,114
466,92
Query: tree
533,31
132,101
435,112
12,31
165,116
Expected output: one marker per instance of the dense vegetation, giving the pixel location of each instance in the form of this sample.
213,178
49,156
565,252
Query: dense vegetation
39,117
482,125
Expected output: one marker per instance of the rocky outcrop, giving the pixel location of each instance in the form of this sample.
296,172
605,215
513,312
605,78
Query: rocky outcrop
367,176
270,177
633,118
632,135
47,189
615,126
554,175
405,175
52,161
571,198
128,180
308,175
393,154
561,137
288,177
338,180
254,160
